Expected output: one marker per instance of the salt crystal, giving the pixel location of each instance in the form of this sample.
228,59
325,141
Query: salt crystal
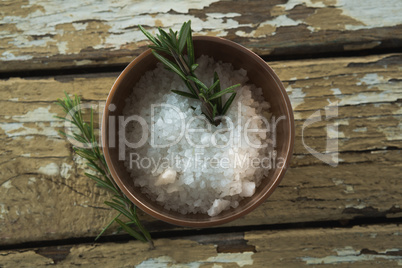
205,138
191,186
168,176
218,206
248,189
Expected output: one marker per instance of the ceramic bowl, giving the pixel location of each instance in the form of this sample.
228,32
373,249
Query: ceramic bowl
259,73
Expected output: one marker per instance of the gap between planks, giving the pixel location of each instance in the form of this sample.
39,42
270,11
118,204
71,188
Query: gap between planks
117,68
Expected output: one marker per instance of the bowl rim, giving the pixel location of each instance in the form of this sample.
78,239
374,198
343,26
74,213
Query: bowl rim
230,217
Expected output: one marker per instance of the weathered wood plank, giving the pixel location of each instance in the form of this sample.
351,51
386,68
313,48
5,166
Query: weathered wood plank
371,246
46,35
42,187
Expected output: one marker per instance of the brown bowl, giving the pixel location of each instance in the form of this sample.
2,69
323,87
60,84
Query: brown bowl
259,73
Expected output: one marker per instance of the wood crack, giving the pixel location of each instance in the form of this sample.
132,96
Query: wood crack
69,187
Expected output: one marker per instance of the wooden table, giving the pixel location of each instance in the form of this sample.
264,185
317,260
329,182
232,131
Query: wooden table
324,51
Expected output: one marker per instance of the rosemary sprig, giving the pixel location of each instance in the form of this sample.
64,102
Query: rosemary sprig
96,161
172,44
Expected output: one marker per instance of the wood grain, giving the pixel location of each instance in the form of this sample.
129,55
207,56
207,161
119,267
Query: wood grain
45,35
44,196
370,246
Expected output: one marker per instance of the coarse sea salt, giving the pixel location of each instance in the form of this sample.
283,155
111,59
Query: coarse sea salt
206,170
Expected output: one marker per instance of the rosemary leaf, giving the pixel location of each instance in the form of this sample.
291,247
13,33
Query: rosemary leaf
185,30
193,67
123,199
190,47
198,82
148,35
173,43
85,134
118,201
95,167
165,37
84,154
221,93
216,90
131,231
62,118
120,209
165,50
181,31
190,87
228,103
107,226
169,64
101,183
185,94
214,85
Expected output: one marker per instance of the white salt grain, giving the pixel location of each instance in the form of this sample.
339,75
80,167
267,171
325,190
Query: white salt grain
168,176
248,188
192,186
218,206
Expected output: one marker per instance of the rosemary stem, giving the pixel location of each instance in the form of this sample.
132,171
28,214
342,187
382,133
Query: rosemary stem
172,44
96,161
187,71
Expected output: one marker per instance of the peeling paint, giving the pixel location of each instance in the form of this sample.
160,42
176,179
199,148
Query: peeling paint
348,188
370,13
31,180
65,171
360,206
62,46
269,27
44,29
81,163
349,255
296,96
371,79
7,185
41,117
337,181
19,129
346,251
362,14
388,92
51,169
82,62
37,115
241,259
70,35
360,129
392,133
330,19
333,132
7,56
80,26
369,97
3,210
336,91
10,128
